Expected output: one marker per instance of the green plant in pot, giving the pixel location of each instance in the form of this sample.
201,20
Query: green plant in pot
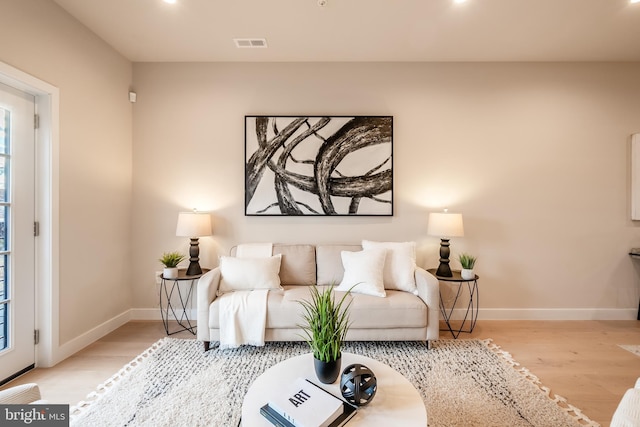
325,328
170,260
467,262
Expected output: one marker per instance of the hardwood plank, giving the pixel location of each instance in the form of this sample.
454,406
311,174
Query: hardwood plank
578,360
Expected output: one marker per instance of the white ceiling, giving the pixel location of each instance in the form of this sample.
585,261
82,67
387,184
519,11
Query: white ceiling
366,30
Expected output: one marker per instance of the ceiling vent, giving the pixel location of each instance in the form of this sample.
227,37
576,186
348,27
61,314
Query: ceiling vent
250,43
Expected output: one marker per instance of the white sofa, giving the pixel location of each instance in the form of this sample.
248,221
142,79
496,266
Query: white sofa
400,316
627,413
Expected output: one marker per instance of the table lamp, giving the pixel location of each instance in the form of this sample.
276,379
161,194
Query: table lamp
194,225
445,225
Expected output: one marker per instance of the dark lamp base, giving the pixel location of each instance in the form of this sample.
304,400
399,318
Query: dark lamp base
194,269
194,253
444,270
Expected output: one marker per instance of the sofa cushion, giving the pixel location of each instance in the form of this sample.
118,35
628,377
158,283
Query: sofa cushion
283,309
241,274
298,265
398,309
399,265
329,263
363,272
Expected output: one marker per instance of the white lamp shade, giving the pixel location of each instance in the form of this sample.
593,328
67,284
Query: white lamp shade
445,225
193,224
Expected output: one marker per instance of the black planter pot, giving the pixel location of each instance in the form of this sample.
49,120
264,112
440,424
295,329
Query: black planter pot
327,372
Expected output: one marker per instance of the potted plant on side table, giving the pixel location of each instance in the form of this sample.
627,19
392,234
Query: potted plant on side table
467,262
325,328
170,260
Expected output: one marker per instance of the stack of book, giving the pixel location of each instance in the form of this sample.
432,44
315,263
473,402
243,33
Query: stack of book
304,404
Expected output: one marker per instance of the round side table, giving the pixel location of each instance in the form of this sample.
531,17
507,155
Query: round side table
396,403
168,305
471,313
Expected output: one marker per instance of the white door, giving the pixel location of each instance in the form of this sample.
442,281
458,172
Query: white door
17,241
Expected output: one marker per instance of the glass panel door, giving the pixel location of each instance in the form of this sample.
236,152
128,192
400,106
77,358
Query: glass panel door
17,242
5,131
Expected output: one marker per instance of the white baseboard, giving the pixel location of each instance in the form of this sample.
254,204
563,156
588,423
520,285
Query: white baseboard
71,347
154,314
551,314
145,314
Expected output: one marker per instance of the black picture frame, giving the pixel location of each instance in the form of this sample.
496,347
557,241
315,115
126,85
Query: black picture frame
318,165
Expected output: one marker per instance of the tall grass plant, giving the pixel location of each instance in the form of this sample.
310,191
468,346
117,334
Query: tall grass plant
326,323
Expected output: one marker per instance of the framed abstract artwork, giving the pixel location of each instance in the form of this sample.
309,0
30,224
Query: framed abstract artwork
319,165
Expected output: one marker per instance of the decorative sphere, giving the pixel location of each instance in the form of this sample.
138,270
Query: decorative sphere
358,384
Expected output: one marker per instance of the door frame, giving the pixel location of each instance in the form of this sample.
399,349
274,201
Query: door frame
47,262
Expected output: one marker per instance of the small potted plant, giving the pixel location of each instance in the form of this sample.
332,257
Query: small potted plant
467,262
325,328
170,260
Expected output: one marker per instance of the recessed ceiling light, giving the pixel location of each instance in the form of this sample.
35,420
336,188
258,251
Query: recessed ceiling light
459,1
634,1
170,1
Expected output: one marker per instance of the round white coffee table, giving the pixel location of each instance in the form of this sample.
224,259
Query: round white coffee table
397,402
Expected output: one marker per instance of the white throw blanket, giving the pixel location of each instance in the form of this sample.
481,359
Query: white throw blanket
243,314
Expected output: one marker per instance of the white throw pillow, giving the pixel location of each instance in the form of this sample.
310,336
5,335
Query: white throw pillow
399,265
364,270
245,274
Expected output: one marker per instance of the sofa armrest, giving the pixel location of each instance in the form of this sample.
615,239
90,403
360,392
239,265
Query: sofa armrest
207,293
429,292
20,394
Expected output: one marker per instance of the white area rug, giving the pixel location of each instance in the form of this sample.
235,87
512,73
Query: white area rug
635,349
463,383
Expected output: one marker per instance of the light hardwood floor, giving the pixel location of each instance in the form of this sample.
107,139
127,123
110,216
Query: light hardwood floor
578,360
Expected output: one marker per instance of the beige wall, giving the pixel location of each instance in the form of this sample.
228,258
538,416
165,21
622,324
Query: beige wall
39,38
535,156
